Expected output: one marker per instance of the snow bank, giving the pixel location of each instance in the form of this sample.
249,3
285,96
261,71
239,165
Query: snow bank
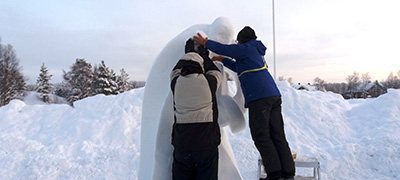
100,137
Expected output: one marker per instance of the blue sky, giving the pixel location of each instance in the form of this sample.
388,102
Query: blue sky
329,39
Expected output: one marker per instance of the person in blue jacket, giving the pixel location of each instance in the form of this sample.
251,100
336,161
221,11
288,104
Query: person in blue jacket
262,97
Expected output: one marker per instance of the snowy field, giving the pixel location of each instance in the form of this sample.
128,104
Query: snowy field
100,137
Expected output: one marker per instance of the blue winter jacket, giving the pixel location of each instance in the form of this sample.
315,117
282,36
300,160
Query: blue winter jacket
255,84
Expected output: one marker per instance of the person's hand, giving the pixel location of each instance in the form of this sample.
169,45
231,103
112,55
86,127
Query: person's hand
218,58
200,40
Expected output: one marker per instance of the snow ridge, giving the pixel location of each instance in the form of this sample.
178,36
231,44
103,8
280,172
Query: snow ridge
100,137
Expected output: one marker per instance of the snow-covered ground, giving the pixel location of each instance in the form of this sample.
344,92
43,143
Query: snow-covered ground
100,137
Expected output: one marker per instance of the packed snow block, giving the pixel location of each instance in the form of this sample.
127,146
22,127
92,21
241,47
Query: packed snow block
156,150
232,114
164,149
156,91
229,107
227,166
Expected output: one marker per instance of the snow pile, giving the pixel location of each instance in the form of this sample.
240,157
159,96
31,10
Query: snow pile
33,97
352,139
100,137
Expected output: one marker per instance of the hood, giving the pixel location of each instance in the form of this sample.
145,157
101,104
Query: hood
192,56
259,46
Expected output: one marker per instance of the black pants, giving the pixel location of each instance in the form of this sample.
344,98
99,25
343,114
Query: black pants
266,126
195,164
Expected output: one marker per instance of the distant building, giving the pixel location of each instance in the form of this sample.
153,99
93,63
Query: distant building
363,90
375,89
366,90
306,87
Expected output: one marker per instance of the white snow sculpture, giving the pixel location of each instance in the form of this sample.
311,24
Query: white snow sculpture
157,116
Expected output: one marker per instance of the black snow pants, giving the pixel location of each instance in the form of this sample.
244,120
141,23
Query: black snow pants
195,164
266,127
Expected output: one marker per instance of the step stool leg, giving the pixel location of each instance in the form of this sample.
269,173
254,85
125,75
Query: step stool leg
315,172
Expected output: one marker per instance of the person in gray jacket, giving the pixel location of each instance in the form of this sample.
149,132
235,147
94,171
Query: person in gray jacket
196,133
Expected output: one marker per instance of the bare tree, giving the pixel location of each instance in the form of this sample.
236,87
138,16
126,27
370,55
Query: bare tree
281,78
353,81
365,78
392,81
11,79
339,88
290,81
398,74
319,84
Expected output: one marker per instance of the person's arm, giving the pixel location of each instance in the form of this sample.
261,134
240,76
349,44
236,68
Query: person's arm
212,73
209,65
233,50
214,78
236,51
229,63
211,70
176,71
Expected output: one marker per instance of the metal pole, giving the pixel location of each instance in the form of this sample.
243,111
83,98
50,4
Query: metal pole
273,36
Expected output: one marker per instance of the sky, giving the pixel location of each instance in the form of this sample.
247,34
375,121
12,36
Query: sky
328,39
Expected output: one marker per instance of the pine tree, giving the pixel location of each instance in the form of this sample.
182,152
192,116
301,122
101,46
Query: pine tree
62,89
11,79
123,81
113,82
104,82
80,79
43,84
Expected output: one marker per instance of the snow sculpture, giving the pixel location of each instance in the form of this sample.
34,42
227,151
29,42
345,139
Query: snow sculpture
157,116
